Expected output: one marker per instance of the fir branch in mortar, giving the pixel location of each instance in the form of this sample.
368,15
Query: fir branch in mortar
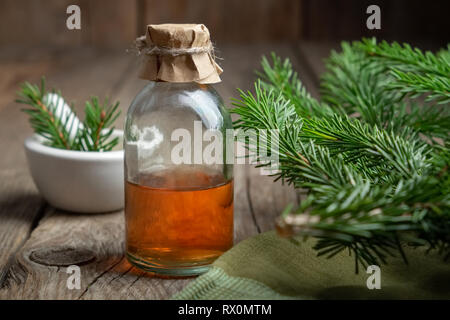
98,125
372,179
42,118
66,132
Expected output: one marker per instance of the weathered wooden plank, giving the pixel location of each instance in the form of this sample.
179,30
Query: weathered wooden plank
20,204
123,281
38,23
95,242
46,253
229,20
15,71
39,271
19,64
20,208
80,78
331,20
116,22
313,54
137,284
112,23
101,76
129,88
266,198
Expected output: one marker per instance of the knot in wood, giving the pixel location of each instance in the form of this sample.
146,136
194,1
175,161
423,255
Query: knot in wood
62,257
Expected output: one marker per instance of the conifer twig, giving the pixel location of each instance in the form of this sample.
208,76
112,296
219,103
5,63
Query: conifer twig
371,178
94,134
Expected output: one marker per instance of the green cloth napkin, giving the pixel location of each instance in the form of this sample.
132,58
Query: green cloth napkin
270,267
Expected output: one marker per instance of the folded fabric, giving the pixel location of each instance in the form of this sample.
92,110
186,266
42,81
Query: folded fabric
270,267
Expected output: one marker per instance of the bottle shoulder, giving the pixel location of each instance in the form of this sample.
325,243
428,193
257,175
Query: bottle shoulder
175,94
181,98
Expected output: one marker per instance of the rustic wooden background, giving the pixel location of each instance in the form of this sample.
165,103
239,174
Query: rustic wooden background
115,23
37,242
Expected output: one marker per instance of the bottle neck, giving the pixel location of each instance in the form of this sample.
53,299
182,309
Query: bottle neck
179,85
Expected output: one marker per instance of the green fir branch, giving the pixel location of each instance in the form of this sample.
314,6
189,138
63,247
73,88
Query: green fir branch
372,180
94,134
416,73
42,118
434,87
98,125
280,77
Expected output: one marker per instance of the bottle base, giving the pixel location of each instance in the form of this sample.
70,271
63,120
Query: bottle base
158,270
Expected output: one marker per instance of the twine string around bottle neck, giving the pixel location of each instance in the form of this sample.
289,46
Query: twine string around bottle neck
142,48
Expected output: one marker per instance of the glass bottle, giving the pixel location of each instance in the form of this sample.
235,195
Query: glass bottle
178,202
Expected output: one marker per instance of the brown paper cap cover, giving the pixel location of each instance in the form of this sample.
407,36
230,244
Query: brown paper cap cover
178,53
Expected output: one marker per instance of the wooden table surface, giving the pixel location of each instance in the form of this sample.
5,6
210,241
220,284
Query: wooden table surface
38,242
